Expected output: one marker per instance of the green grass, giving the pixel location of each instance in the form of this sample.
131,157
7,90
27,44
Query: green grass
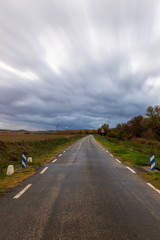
132,152
124,153
134,155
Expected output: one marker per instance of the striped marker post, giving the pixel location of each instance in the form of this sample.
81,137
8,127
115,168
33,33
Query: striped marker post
152,162
24,160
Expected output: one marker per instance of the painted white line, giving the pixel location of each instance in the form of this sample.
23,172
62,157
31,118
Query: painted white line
21,192
149,184
106,151
130,169
64,151
43,170
60,155
111,155
118,160
54,160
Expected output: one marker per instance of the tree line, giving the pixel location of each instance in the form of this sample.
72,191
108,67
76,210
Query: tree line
138,126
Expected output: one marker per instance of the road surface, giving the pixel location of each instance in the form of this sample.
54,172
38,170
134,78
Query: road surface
85,194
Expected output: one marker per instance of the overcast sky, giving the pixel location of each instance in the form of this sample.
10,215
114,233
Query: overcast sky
77,63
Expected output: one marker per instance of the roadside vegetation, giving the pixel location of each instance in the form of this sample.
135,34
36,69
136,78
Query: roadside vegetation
41,147
133,142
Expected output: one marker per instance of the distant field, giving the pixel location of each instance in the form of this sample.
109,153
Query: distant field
31,136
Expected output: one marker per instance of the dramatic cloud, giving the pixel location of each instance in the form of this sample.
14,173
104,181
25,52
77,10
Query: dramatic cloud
77,63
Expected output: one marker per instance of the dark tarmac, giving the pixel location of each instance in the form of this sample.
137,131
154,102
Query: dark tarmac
86,194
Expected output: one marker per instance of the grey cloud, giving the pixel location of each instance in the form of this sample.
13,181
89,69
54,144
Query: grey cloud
77,63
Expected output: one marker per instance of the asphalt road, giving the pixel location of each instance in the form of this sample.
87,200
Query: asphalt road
84,194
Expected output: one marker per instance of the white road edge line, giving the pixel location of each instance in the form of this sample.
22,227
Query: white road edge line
149,184
118,160
130,169
54,160
64,151
111,155
43,170
21,192
60,155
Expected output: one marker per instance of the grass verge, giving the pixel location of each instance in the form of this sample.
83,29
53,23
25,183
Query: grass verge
42,151
125,152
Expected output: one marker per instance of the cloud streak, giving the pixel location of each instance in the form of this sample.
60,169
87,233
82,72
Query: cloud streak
77,64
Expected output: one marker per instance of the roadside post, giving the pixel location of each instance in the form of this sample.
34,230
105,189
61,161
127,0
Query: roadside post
29,159
152,162
102,131
24,160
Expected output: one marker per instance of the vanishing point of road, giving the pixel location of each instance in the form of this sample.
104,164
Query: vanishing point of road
84,194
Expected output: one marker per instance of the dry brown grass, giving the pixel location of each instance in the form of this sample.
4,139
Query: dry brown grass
14,180
22,136
146,141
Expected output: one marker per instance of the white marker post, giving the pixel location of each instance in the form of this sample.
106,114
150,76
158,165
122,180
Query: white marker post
102,131
29,159
10,170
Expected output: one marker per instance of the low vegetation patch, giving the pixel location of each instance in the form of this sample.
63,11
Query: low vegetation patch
152,177
135,153
41,151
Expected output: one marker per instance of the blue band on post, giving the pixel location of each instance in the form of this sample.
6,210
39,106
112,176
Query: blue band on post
152,162
24,160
